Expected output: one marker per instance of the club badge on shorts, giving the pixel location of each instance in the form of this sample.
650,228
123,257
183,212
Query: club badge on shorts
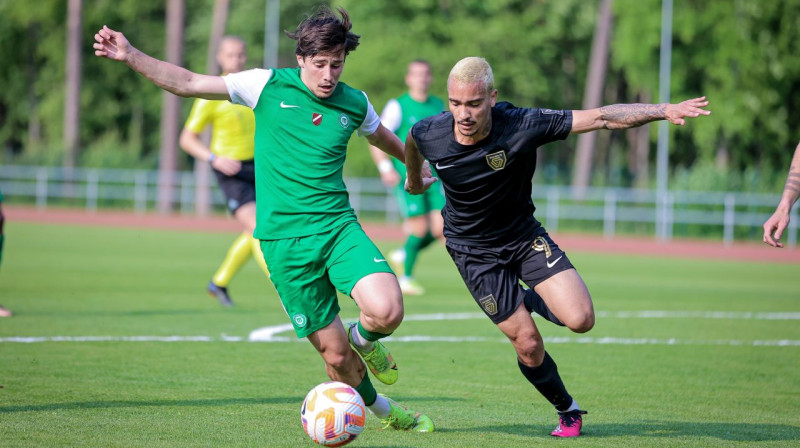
540,244
489,304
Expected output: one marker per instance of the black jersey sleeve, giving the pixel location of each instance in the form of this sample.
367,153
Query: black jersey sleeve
530,128
547,124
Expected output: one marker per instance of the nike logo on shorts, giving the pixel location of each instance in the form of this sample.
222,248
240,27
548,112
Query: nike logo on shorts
441,167
378,260
550,265
287,106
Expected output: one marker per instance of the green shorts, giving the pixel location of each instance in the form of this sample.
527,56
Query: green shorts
307,271
411,205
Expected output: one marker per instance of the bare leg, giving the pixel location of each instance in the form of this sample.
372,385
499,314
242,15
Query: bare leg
341,362
380,301
567,297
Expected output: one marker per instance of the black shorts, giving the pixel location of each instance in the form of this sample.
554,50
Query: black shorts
240,188
493,274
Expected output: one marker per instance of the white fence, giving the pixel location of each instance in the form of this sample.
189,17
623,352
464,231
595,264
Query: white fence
606,208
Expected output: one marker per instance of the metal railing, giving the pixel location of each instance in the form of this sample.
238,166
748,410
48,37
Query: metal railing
606,207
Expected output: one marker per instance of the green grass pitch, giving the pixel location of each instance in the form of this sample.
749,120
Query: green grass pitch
676,377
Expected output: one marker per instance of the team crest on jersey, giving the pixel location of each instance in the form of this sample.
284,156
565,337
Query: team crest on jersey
489,304
496,160
344,120
300,320
316,118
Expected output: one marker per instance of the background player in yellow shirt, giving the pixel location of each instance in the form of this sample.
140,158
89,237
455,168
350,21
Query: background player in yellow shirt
231,157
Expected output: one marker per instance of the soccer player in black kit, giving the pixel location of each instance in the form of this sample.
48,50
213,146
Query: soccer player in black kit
485,156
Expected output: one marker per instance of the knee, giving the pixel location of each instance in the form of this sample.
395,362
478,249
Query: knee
581,323
388,319
529,349
338,360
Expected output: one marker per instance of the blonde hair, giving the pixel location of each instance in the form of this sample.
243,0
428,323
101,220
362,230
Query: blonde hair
472,69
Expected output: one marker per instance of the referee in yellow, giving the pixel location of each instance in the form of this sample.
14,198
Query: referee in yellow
231,157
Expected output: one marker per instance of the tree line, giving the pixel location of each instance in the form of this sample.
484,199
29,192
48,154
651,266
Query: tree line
743,54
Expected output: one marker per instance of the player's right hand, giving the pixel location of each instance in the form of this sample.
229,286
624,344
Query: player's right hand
774,227
227,166
111,44
419,189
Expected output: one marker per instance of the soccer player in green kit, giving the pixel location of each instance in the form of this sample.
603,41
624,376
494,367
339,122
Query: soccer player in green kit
422,213
309,234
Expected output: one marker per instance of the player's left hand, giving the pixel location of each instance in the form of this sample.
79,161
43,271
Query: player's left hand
693,108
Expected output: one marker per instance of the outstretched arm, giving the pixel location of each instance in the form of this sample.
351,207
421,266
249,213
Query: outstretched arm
624,116
113,45
777,223
418,173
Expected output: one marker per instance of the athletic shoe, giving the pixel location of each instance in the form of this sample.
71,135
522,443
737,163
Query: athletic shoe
220,293
410,287
396,260
402,418
379,360
5,312
569,424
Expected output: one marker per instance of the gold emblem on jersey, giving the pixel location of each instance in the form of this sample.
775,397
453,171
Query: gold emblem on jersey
489,304
540,244
496,160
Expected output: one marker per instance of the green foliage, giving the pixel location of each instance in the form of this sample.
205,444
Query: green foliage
744,55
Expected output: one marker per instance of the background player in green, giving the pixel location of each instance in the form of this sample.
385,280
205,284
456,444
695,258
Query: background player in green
422,213
309,234
231,157
4,312
486,154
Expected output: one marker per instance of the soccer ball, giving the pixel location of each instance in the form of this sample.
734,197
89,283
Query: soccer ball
333,414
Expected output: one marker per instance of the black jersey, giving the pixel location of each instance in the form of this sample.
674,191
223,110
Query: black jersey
488,185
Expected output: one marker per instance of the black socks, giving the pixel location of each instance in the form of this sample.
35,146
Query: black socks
546,380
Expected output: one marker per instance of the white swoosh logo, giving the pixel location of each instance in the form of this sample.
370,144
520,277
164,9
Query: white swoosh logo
378,260
441,167
550,265
287,106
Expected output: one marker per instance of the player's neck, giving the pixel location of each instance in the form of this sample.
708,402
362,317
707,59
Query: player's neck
418,96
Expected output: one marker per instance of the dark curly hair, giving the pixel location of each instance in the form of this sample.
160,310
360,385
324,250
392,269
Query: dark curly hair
324,33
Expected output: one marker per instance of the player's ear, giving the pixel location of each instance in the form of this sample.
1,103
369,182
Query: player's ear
493,97
301,61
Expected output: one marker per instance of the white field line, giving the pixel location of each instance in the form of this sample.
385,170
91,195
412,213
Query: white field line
271,333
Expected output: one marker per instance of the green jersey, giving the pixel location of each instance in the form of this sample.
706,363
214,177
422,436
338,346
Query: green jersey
402,113
300,147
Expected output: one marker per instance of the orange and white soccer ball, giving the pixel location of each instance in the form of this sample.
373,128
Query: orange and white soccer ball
333,414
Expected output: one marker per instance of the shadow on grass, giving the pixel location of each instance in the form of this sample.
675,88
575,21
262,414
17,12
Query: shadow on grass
198,402
742,432
146,403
